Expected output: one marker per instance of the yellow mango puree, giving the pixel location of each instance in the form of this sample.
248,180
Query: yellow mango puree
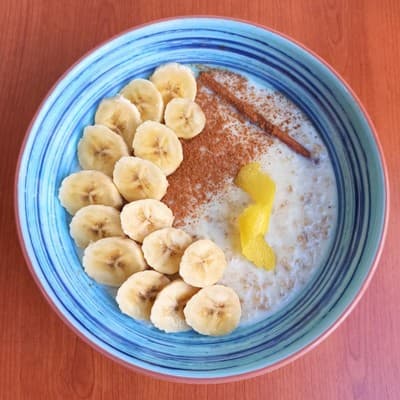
254,220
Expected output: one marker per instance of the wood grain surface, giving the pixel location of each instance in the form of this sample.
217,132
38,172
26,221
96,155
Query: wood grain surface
40,358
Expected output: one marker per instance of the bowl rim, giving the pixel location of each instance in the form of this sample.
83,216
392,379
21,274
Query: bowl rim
291,357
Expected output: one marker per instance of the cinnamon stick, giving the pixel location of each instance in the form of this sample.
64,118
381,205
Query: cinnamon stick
252,114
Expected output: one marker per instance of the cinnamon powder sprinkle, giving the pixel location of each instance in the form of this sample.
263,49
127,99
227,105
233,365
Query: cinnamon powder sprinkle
212,159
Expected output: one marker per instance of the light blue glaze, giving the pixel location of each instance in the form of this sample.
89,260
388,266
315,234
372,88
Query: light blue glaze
50,155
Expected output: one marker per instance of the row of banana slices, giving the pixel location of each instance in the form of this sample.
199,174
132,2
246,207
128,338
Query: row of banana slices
121,246
132,121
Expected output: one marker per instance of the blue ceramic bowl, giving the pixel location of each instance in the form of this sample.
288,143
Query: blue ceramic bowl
49,155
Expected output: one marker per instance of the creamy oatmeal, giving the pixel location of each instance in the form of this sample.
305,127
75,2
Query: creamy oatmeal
303,217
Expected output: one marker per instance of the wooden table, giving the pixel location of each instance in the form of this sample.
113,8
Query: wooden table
40,358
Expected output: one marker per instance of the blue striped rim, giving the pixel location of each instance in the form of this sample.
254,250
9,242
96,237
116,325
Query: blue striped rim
269,58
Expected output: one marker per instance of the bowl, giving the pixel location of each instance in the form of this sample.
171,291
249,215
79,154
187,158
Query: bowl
49,154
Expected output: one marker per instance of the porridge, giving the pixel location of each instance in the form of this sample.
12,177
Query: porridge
304,211
206,202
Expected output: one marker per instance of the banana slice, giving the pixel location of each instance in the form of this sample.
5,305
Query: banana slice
100,148
167,311
136,295
110,261
157,143
139,179
214,310
88,187
203,263
145,96
95,222
120,115
174,80
184,117
163,249
142,217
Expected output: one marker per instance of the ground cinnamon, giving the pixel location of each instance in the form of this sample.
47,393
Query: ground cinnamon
254,116
212,159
